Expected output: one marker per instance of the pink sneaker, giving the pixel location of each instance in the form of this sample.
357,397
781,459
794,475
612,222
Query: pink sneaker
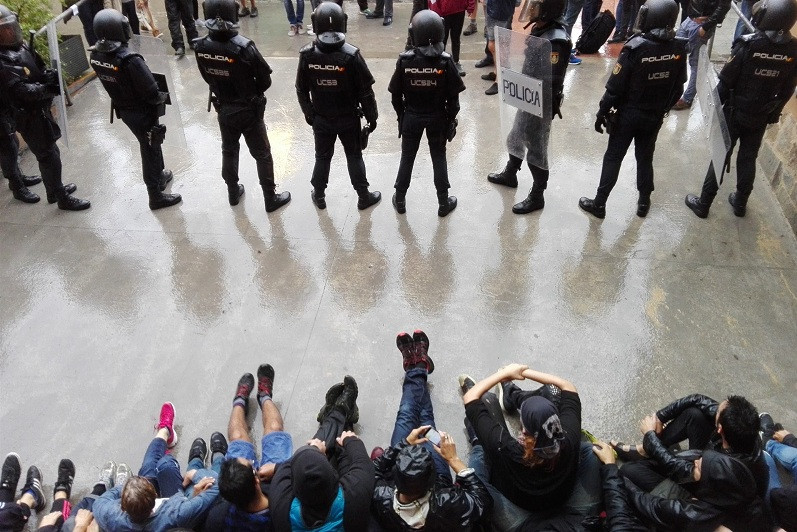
167,421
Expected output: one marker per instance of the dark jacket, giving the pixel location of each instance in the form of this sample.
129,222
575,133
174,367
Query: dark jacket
619,515
715,10
705,404
458,506
356,475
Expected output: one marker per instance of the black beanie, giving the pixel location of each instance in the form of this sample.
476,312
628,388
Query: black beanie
315,484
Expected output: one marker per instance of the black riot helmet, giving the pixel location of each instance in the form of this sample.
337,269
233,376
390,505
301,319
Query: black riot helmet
111,25
414,470
221,17
543,11
428,33
10,30
329,24
657,17
774,15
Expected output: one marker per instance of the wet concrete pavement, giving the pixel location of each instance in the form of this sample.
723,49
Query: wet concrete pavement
105,314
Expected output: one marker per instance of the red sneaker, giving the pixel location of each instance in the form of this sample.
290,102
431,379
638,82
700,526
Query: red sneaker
167,421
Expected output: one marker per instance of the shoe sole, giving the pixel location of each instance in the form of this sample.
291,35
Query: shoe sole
461,381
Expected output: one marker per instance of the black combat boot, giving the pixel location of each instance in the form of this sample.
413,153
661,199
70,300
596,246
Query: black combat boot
446,204
533,202
593,207
69,188
348,400
330,400
70,203
234,193
22,193
165,179
319,198
159,200
507,176
274,201
368,199
739,204
696,206
643,204
400,202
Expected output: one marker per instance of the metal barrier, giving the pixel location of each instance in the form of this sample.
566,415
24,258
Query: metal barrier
744,19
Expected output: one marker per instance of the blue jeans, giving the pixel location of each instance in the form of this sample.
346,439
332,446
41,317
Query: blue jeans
571,14
294,18
689,30
784,455
747,10
161,469
618,18
415,410
584,500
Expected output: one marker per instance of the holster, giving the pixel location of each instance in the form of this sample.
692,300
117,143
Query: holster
612,119
157,134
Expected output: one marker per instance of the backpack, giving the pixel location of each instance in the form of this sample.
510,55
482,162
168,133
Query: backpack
597,33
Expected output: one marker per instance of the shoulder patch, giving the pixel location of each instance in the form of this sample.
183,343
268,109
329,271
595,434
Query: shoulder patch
554,58
617,68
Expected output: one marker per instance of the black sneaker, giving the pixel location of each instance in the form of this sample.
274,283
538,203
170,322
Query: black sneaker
66,475
466,382
348,399
33,483
199,449
329,401
406,345
218,444
422,350
265,381
767,427
12,470
245,386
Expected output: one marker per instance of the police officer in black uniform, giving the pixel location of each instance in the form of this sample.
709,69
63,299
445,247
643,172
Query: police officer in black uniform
28,88
136,99
754,86
18,182
333,85
546,16
238,76
425,92
646,81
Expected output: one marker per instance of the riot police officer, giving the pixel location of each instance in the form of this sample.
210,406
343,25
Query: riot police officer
546,15
28,88
18,182
754,86
646,81
238,76
136,99
425,91
333,85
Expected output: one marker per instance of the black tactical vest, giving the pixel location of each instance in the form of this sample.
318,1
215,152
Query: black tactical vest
112,69
657,66
423,81
331,78
225,67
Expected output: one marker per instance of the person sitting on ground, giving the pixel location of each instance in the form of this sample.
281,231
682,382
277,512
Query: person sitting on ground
725,496
14,513
243,480
307,492
729,427
135,505
413,476
782,446
545,475
81,517
61,509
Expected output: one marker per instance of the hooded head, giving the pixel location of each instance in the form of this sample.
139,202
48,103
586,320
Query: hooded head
540,419
428,33
315,484
10,30
658,18
414,471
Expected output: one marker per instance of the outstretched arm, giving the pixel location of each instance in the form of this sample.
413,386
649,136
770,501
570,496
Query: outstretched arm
511,372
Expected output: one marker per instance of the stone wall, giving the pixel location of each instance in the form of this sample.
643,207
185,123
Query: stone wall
778,161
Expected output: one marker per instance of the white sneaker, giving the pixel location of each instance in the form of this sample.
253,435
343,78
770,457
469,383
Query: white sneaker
300,30
199,23
310,30
292,31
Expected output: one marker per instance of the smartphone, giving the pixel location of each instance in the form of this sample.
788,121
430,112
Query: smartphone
433,436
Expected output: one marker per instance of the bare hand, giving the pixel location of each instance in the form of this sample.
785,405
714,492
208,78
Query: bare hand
648,424
321,446
266,472
418,435
83,517
701,32
203,485
447,448
604,452
50,519
346,434
779,435
513,372
188,477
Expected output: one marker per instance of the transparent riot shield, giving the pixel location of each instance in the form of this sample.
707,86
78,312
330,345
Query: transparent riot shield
524,86
719,138
159,60
59,102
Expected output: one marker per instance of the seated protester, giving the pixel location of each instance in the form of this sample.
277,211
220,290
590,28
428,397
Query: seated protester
729,427
725,497
154,500
779,443
307,492
243,481
61,509
544,476
413,483
81,517
14,513
783,502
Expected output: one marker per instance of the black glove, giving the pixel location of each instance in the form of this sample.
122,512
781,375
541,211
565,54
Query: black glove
50,82
601,121
774,117
372,126
308,119
452,129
